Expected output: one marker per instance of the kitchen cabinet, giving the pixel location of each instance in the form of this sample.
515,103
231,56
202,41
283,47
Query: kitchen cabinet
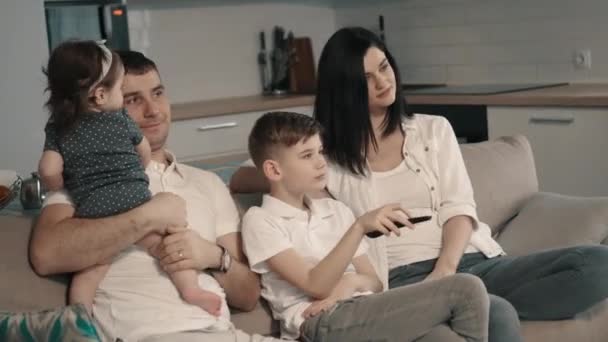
469,122
569,145
216,136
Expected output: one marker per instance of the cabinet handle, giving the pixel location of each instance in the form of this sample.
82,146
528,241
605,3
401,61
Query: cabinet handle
217,126
549,121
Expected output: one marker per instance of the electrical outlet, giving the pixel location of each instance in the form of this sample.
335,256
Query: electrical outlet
582,59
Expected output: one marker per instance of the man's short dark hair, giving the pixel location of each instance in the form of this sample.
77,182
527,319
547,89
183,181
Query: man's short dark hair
135,62
279,129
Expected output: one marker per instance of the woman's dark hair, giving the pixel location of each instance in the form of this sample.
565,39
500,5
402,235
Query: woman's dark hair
342,104
73,67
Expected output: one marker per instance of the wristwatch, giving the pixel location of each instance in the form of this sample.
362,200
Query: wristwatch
225,260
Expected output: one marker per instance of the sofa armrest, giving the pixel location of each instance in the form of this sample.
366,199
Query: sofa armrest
549,220
20,288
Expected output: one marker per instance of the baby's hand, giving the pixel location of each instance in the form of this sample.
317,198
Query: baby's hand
50,170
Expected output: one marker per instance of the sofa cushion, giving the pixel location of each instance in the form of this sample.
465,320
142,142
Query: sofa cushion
588,326
21,289
69,323
258,321
550,220
503,175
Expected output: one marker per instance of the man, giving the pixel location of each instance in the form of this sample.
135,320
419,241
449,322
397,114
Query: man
136,300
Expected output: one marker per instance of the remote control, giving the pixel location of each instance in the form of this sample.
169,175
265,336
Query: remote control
413,220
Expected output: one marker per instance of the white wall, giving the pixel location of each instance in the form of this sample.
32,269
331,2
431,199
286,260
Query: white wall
23,51
208,51
503,41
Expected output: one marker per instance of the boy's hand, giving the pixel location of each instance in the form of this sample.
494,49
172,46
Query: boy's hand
345,289
383,220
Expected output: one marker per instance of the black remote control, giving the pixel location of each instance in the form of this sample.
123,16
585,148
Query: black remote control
413,220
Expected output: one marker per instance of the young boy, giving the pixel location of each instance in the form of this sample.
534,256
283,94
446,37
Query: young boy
313,263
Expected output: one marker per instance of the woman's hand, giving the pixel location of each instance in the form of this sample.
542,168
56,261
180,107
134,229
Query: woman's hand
383,220
184,249
440,272
343,290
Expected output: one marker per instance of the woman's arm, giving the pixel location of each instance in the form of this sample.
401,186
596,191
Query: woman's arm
454,241
457,214
247,179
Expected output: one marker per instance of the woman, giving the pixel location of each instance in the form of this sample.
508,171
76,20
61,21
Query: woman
380,153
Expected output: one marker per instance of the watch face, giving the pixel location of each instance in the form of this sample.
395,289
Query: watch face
226,260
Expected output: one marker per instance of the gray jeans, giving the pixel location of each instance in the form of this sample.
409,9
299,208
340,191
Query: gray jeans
407,314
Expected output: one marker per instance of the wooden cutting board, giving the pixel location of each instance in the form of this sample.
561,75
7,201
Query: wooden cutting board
302,76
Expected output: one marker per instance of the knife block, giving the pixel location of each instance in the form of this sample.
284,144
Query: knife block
302,77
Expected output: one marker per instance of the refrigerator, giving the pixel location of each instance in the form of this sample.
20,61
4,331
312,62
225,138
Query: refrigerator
87,19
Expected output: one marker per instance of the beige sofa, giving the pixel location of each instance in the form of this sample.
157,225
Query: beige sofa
506,190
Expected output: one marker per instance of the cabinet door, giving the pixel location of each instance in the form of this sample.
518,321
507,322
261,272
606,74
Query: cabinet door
216,136
570,145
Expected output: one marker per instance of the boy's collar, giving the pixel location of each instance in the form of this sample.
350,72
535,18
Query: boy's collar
279,208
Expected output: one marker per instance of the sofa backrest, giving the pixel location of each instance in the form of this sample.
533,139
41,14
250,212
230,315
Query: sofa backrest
502,172
503,175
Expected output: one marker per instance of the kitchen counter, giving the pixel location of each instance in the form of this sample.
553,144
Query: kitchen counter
579,95
232,105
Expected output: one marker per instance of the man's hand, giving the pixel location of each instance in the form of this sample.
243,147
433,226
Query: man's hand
164,210
343,290
184,249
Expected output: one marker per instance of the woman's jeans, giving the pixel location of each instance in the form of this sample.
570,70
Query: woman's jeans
550,285
407,314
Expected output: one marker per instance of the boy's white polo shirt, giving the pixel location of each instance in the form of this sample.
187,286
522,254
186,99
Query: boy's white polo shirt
277,226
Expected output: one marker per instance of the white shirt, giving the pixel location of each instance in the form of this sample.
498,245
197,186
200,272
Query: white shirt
405,186
137,299
278,226
432,151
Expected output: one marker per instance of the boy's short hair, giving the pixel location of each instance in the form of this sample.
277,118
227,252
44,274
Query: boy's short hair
279,129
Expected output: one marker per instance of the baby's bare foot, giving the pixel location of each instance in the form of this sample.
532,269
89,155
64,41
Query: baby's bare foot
206,300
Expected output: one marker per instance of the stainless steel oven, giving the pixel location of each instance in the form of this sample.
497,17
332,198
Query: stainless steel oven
87,19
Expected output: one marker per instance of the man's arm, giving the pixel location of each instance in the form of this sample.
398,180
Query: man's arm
242,286
61,243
